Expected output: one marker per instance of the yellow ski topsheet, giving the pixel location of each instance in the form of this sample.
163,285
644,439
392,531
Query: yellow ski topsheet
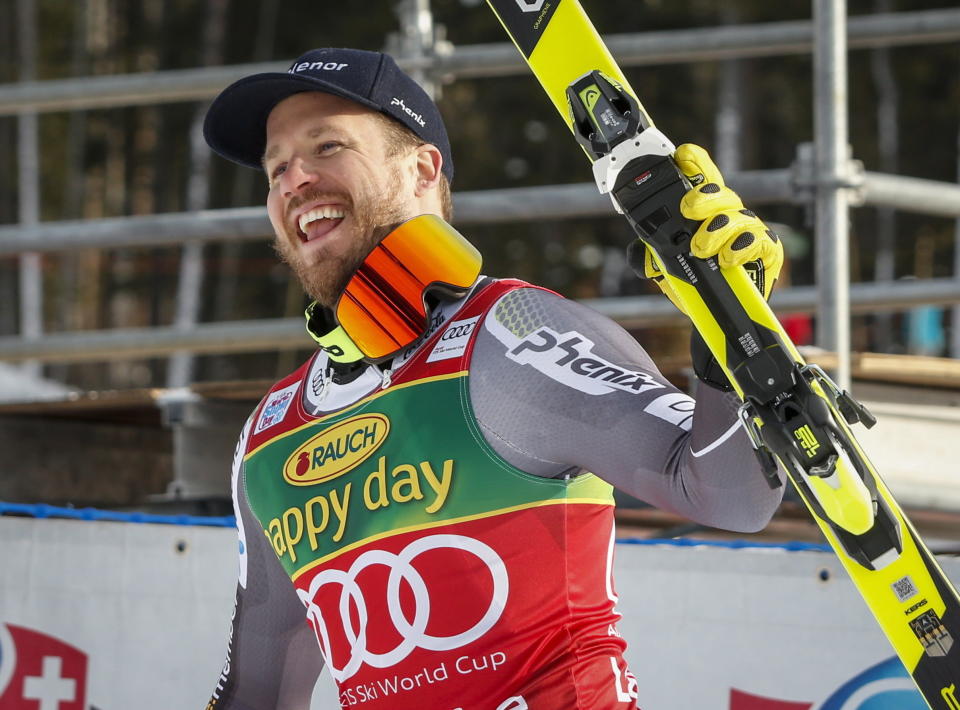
562,52
560,44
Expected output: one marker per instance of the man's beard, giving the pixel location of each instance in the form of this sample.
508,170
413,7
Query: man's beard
373,217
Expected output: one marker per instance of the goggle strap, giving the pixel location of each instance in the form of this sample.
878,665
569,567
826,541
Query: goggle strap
339,347
335,342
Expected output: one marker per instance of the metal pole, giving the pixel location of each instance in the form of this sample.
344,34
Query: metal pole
180,369
414,44
28,164
888,140
832,182
955,330
729,119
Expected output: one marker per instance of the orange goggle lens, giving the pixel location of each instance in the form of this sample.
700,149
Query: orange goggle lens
383,307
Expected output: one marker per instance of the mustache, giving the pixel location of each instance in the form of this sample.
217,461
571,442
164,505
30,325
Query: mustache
315,195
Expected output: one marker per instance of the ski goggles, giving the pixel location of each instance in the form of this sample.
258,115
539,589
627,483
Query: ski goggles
384,306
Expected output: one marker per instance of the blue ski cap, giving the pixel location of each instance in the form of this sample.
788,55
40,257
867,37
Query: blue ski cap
236,124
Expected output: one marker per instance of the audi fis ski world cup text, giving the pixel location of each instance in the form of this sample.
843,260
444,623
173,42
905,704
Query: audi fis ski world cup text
454,340
413,634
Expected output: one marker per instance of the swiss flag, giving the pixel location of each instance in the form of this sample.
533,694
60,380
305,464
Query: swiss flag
40,672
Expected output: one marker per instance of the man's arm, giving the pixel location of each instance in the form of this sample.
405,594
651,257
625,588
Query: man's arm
273,659
559,389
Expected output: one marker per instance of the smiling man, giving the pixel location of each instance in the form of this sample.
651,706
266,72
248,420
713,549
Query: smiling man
425,505
326,226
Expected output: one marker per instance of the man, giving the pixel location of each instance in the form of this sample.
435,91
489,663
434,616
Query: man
424,479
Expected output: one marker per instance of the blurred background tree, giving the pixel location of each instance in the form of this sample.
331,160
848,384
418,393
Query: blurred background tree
147,159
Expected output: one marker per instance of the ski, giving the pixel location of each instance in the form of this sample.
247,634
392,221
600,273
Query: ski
791,410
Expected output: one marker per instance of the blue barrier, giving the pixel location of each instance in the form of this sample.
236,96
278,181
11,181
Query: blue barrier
42,510
729,544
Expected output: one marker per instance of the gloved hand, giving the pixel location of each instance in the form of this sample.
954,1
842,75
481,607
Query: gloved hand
729,231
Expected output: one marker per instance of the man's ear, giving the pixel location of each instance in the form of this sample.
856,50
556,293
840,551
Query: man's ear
429,164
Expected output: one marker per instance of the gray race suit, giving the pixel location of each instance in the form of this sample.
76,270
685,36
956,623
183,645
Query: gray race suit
541,404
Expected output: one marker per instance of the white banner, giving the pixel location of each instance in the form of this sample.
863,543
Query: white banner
755,629
114,616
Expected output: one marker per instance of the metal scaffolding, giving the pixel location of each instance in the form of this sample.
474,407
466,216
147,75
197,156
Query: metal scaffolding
28,170
825,176
519,204
288,333
499,59
834,182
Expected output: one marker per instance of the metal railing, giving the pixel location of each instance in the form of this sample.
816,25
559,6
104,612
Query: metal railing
289,333
519,204
799,183
500,59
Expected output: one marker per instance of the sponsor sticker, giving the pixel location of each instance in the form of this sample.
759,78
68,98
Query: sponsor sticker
276,407
904,588
336,450
320,380
436,322
675,407
324,394
568,358
931,632
432,631
454,340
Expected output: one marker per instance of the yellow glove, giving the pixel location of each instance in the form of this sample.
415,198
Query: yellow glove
729,231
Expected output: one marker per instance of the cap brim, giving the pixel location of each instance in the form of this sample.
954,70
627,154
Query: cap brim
236,123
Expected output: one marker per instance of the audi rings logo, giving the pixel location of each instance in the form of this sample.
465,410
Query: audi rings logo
459,331
412,633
